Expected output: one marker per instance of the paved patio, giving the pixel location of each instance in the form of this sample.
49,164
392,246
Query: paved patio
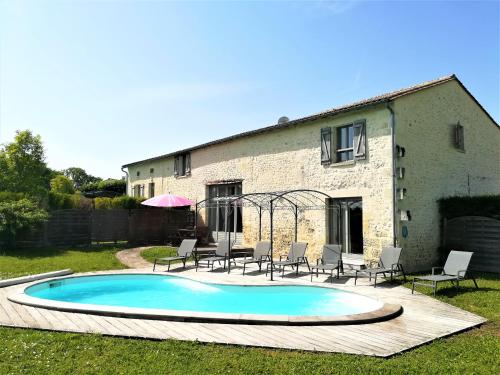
424,319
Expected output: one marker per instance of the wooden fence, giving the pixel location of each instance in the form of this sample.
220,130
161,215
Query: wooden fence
478,234
81,227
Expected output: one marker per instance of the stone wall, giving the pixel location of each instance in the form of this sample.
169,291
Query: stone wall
285,159
434,168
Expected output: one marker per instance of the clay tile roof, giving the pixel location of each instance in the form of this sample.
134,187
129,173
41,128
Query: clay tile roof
384,98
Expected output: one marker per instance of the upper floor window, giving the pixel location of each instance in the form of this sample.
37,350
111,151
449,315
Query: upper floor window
344,150
347,142
459,137
182,165
138,173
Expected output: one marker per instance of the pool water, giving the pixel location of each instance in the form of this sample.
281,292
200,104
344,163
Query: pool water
177,293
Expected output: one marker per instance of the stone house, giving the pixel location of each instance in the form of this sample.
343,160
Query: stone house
384,161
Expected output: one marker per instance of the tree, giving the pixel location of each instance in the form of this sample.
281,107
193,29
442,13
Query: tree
62,184
80,177
22,165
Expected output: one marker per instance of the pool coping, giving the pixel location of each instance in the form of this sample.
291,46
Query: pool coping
386,312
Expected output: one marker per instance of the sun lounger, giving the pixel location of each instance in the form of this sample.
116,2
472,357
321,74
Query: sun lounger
296,256
183,253
260,255
387,264
222,254
454,270
331,260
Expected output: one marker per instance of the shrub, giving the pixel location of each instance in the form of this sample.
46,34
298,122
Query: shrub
92,186
116,186
62,184
486,205
125,202
8,196
107,188
16,216
60,201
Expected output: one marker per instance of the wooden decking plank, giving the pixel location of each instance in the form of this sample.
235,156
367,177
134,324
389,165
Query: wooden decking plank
44,322
329,334
144,329
202,334
15,317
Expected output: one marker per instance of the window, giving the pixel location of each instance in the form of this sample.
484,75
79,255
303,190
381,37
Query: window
217,211
350,142
151,189
138,191
138,173
151,170
459,137
182,165
345,136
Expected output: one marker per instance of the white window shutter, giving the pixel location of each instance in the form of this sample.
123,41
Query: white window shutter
359,142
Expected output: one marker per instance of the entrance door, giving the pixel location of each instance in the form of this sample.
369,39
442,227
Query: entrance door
345,224
222,219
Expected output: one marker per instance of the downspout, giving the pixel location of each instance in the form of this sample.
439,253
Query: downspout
392,124
126,181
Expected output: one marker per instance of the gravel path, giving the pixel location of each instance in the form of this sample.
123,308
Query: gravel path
132,257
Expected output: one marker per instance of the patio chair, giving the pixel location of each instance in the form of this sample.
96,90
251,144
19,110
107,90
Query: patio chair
260,255
387,263
454,270
296,256
184,251
331,260
222,254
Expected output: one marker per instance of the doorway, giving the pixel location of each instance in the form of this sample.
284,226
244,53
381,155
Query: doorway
223,219
345,224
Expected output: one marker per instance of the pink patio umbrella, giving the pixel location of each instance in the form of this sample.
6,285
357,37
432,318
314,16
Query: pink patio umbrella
167,200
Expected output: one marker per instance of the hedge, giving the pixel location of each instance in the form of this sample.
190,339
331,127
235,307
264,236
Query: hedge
486,205
124,201
115,186
61,201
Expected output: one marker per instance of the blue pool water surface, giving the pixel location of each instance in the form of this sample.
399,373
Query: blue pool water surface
176,293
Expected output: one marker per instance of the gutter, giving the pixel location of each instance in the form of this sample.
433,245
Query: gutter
392,124
126,181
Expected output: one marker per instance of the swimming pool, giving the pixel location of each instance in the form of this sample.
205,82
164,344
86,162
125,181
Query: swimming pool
175,296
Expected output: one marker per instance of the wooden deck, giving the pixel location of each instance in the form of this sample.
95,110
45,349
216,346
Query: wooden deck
424,319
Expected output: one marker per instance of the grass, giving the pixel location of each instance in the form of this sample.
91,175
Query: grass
25,351
159,252
20,262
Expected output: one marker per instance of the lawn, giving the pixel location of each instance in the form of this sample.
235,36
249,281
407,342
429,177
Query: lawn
159,252
30,261
30,351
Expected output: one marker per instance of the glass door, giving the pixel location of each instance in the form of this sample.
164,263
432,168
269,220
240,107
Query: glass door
345,224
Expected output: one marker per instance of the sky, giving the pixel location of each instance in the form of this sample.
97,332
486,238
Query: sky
105,83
